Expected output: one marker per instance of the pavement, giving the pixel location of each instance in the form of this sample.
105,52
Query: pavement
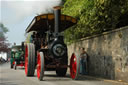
17,77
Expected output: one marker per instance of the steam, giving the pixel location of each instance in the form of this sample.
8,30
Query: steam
20,9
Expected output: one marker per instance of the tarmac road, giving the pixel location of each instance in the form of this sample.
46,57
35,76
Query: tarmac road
17,77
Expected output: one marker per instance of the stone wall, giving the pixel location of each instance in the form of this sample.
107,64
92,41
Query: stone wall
108,54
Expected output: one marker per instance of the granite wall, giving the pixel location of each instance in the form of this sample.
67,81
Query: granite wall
108,54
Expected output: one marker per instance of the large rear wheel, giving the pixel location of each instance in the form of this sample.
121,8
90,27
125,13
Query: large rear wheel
29,59
40,66
74,66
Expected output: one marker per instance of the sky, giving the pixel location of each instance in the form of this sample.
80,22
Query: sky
16,15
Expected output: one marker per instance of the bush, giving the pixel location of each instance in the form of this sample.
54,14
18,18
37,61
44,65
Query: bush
94,16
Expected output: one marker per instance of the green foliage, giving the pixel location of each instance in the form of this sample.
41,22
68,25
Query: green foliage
94,16
3,30
3,42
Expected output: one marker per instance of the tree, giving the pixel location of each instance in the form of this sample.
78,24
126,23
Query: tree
3,30
3,42
94,17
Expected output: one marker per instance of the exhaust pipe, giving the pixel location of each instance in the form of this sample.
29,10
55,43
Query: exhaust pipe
57,22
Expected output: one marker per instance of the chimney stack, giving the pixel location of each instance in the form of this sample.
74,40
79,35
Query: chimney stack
57,15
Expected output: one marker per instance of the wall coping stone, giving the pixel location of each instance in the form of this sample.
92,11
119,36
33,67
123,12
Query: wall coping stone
101,34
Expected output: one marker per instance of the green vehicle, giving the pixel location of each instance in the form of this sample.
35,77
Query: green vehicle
17,58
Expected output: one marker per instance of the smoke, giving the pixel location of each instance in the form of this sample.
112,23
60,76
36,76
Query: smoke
20,9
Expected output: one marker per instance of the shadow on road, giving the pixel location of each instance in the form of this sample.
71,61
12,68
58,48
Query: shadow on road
52,77
21,68
87,78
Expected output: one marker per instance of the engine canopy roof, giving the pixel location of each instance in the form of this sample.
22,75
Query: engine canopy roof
42,23
16,47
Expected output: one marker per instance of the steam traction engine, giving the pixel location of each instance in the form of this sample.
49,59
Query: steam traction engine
47,50
17,58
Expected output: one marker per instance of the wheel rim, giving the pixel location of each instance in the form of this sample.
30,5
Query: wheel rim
38,65
26,60
73,68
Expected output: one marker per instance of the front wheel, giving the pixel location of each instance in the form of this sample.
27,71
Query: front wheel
61,72
12,62
15,65
40,66
11,66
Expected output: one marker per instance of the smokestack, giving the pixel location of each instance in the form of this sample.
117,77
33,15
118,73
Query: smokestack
14,43
57,15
